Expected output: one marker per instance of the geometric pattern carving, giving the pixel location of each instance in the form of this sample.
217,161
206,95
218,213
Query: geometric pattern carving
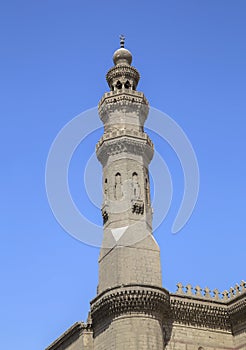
125,132
122,70
133,102
200,314
237,313
144,299
124,144
137,207
225,311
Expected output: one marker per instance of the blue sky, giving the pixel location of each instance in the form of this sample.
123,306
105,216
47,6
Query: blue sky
54,56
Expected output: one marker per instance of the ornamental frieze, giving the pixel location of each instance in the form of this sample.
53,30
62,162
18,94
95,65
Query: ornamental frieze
130,299
129,145
210,309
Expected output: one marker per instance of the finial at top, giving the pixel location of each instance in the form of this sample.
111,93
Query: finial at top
122,40
122,55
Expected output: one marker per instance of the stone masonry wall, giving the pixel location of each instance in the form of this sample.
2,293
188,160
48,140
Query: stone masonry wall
190,338
130,333
139,263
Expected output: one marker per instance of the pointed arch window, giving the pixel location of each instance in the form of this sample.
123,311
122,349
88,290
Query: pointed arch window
118,85
118,186
127,84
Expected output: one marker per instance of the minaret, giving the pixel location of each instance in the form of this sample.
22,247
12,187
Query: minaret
130,304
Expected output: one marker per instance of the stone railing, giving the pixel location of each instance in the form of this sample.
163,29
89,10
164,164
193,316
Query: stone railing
112,97
125,132
213,295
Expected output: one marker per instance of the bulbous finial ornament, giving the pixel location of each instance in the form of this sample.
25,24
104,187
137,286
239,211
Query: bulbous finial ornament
122,55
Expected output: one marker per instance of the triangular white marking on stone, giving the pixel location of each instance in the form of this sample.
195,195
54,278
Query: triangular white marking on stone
118,232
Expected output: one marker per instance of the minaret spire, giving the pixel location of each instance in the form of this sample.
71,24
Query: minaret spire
130,302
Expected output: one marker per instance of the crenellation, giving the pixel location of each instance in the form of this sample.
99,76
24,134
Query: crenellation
216,295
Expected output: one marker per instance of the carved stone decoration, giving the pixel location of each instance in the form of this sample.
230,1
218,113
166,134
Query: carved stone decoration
204,310
237,312
125,144
148,300
200,314
189,289
124,100
205,293
198,290
120,70
137,207
216,294
225,295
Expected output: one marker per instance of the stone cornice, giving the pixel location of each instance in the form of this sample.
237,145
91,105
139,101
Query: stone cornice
126,102
122,70
237,313
225,311
130,133
124,144
198,312
132,96
130,299
74,331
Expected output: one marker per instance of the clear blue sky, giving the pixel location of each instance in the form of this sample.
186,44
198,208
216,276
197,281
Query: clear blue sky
54,56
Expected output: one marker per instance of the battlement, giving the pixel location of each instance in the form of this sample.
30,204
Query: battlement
213,295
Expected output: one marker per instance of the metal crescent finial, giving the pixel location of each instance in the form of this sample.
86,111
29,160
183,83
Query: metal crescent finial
122,40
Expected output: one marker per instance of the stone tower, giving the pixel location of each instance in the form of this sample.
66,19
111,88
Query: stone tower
128,310
131,310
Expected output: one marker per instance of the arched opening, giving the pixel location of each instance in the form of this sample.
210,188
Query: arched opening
127,84
118,186
147,191
118,85
135,185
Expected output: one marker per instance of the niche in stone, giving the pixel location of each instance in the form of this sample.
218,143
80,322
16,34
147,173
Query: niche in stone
147,191
118,85
135,186
118,186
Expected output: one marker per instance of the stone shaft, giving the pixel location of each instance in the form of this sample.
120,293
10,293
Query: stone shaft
129,258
